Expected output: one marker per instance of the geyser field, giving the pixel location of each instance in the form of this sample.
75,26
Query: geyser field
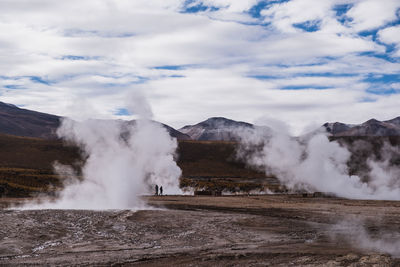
276,230
176,230
309,200
200,133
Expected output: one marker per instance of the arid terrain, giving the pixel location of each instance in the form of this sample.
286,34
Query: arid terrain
26,166
261,230
236,230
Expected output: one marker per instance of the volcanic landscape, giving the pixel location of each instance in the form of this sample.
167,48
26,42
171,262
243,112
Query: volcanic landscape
230,213
263,230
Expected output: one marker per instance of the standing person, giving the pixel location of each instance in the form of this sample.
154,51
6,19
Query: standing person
156,189
161,190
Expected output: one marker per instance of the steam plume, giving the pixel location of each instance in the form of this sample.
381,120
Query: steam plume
123,161
354,231
314,164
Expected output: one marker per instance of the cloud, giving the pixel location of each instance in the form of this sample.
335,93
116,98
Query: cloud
284,15
372,14
231,58
391,36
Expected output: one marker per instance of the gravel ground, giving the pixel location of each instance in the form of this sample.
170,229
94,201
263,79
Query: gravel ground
274,230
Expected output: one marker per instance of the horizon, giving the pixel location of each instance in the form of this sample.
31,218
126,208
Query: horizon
304,62
261,122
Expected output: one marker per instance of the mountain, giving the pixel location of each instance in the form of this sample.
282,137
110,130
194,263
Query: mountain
371,127
216,129
27,123
172,132
23,122
175,133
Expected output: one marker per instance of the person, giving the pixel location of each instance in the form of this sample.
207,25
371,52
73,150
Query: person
156,189
161,190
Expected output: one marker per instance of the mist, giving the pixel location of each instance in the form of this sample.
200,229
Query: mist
122,161
365,235
313,163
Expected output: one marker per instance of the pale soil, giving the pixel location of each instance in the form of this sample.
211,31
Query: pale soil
277,230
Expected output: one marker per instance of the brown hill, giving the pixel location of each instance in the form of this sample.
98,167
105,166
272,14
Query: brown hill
26,166
23,122
34,153
212,165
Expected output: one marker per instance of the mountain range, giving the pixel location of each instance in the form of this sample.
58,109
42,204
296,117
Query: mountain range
22,122
371,127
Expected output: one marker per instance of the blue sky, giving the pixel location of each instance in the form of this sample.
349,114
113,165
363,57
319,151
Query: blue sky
301,61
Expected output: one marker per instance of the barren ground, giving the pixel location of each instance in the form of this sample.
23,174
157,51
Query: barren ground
275,230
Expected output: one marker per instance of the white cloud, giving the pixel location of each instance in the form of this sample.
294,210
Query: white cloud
284,15
372,14
97,52
391,35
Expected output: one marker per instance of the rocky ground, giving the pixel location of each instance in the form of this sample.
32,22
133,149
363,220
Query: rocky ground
275,230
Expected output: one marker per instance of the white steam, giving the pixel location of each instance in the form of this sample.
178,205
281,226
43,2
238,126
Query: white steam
314,163
354,231
122,162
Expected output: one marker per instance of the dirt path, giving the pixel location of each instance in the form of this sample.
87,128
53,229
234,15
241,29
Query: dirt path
208,231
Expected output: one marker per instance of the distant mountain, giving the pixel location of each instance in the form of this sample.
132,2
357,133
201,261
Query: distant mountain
172,132
216,129
22,122
175,133
371,127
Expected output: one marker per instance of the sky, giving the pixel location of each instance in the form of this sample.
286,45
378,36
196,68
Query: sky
304,62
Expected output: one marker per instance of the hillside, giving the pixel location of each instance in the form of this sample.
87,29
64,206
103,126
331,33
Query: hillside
213,165
375,148
223,129
29,148
26,166
371,127
27,123
34,153
216,129
23,122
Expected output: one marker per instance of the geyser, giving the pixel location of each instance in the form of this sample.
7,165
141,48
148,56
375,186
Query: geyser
314,163
122,162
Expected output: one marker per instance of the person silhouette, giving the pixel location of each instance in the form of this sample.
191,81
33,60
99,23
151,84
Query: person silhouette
156,190
161,190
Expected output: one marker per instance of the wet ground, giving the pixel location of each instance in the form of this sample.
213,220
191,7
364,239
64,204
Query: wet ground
275,230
